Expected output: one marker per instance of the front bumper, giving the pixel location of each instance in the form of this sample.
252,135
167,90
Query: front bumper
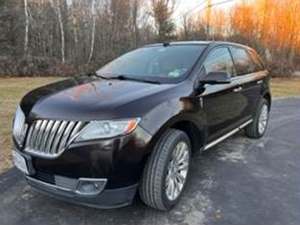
107,199
119,161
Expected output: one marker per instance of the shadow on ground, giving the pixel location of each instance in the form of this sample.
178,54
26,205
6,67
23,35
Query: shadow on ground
241,181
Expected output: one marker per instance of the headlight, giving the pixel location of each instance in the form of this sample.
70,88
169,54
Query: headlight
19,126
107,129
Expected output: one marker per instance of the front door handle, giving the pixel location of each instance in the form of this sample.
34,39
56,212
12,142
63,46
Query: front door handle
238,89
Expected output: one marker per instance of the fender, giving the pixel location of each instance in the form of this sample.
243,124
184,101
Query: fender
169,114
265,90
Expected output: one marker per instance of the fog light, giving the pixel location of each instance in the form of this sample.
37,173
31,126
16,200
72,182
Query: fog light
87,186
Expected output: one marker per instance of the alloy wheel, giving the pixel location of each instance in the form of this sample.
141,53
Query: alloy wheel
177,171
263,119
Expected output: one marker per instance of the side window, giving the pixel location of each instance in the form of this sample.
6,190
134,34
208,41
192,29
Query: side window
243,62
258,62
219,60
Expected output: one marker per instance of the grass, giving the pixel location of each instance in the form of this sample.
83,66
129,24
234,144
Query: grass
12,89
285,87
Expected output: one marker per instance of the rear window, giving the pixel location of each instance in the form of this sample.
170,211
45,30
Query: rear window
256,59
219,60
243,62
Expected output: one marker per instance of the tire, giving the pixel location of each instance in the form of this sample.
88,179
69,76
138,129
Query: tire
253,130
158,170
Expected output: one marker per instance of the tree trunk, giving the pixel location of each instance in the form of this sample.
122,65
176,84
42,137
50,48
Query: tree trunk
56,8
26,28
62,33
93,32
208,17
135,22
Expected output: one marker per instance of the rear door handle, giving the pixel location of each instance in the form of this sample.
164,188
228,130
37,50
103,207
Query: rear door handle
238,89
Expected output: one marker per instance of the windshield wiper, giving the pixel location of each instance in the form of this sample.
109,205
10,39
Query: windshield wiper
124,77
109,76
99,75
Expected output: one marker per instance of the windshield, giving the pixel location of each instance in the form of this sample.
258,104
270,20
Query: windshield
158,63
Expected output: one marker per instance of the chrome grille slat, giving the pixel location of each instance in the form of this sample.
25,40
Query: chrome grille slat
66,135
44,134
35,132
75,131
58,137
47,134
49,138
40,134
29,136
52,135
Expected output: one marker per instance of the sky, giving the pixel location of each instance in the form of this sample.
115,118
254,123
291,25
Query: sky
194,6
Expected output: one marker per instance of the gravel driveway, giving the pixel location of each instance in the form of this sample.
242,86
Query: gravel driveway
239,182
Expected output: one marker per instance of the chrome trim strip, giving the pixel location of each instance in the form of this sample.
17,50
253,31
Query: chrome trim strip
235,82
222,138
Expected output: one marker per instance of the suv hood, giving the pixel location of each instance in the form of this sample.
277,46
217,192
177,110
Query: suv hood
87,98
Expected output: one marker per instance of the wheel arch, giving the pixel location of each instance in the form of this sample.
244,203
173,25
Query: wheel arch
268,97
195,130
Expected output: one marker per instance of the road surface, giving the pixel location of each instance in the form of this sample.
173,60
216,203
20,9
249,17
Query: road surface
238,182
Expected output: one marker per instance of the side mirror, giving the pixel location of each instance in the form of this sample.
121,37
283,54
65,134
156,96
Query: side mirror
216,78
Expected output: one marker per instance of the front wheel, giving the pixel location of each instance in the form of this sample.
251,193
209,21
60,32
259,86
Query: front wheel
260,121
166,171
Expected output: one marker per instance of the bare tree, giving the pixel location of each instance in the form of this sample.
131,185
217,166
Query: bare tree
208,18
26,28
74,26
162,11
93,31
187,27
56,5
135,12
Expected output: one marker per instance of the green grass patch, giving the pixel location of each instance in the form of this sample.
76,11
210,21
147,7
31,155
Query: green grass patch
285,87
11,91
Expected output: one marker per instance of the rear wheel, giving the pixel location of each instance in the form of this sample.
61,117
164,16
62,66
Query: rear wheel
260,122
166,171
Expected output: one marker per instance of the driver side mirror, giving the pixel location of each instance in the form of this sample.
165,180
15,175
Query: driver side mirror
216,78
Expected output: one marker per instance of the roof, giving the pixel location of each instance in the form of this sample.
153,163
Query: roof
212,43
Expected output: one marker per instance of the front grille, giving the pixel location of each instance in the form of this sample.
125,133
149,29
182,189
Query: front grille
49,138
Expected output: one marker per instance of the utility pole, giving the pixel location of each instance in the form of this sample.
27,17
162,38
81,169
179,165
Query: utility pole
208,16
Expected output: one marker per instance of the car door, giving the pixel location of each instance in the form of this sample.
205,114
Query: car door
249,76
222,103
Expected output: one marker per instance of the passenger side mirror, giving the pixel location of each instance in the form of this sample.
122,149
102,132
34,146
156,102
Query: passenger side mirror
216,78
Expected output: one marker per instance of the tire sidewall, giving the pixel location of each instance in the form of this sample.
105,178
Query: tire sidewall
168,203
